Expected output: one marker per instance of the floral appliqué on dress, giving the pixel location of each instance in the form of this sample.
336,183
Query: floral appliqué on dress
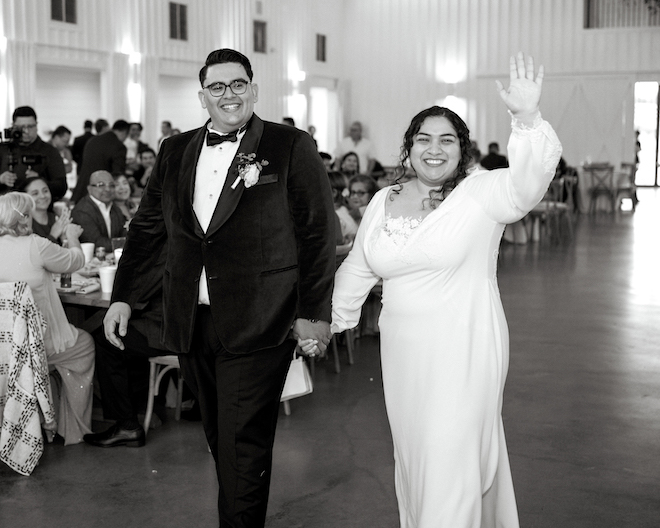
399,229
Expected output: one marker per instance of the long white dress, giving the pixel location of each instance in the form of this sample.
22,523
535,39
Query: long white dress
444,337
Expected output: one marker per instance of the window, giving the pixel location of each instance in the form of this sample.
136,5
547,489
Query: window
621,13
63,10
320,47
259,36
178,21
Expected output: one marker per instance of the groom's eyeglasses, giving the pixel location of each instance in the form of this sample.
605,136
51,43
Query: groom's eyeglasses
239,87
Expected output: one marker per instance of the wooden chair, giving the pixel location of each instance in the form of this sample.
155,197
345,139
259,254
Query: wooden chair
626,187
555,211
158,367
349,336
602,184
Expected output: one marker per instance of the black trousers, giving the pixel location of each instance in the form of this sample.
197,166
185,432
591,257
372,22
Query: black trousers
115,371
239,398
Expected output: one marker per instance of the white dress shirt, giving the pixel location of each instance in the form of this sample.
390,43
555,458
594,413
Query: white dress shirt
212,167
105,212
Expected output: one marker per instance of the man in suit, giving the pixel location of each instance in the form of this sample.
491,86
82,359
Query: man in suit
104,152
79,143
96,213
246,211
494,160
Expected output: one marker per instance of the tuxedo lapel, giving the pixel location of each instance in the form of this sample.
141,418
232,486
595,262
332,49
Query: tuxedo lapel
186,182
230,196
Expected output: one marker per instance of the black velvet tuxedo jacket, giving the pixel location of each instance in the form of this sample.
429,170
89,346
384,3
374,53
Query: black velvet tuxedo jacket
269,251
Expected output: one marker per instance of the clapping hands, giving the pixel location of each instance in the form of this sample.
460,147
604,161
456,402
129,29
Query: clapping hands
524,92
61,223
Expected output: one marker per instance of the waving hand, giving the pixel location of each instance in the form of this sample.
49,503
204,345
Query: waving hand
524,92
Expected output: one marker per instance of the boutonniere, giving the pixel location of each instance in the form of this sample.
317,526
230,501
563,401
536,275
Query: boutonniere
249,170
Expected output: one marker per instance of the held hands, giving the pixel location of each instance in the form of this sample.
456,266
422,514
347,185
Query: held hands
313,337
115,323
524,92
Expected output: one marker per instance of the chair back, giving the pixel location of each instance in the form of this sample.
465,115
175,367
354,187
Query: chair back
602,176
25,394
627,180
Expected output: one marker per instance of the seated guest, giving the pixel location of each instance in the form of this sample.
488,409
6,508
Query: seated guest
113,366
349,165
147,162
44,221
327,160
361,190
96,213
33,259
123,193
347,224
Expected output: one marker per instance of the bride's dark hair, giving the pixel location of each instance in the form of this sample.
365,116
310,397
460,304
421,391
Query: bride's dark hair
436,195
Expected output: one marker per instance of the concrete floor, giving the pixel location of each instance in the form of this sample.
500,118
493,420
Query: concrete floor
582,414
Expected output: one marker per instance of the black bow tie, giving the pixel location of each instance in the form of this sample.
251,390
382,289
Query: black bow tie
215,139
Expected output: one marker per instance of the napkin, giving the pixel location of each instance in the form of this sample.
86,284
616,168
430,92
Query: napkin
89,288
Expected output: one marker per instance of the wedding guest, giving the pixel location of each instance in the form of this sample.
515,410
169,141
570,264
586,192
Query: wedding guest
105,152
79,142
60,140
361,190
360,145
349,165
348,225
97,214
45,222
123,193
33,259
27,156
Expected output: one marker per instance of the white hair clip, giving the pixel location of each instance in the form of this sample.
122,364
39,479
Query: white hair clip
22,214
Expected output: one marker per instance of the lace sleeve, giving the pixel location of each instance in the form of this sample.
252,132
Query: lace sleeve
539,132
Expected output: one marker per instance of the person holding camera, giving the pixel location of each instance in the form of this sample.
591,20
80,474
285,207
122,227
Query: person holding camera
25,155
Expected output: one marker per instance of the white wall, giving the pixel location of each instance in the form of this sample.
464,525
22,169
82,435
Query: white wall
387,59
403,52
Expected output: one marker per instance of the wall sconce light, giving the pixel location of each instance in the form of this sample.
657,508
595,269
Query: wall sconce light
298,76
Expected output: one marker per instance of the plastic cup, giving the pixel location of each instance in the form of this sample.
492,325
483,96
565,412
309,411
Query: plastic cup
118,243
107,275
88,251
117,252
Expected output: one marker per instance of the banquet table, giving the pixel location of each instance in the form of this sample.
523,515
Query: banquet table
85,311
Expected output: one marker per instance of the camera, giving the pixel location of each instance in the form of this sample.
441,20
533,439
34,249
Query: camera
11,135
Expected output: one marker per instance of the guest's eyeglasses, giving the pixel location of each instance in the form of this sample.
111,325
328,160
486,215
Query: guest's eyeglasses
239,87
103,185
358,193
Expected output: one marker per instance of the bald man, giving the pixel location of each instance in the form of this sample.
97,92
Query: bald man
96,213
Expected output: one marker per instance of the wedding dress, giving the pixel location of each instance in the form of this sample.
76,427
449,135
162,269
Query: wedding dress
444,337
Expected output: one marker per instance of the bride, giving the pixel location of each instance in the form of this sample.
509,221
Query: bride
444,339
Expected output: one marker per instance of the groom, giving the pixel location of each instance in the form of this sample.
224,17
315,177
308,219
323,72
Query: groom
245,208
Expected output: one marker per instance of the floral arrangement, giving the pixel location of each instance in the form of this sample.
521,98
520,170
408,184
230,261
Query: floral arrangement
249,170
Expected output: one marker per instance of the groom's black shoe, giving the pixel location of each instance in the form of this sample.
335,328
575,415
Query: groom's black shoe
117,436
